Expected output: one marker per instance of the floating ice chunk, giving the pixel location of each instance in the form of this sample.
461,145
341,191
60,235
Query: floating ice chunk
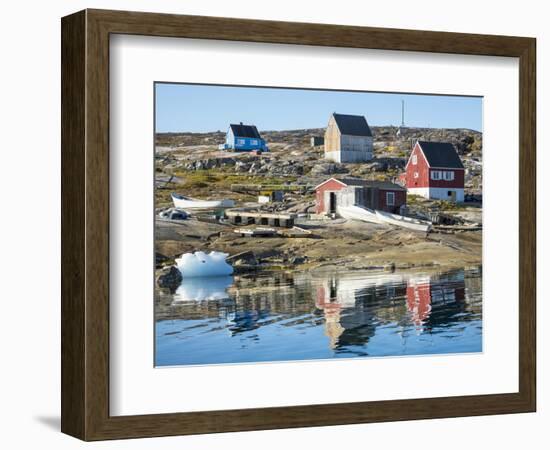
200,264
197,289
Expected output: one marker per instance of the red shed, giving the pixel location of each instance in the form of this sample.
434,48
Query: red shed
434,170
381,195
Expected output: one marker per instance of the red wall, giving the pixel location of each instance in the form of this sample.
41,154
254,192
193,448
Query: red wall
400,199
331,185
421,167
423,170
458,182
419,300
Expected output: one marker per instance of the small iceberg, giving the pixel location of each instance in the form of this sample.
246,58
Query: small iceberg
201,264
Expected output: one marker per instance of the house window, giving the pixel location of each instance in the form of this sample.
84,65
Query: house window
414,159
254,142
449,175
436,175
240,141
390,198
416,174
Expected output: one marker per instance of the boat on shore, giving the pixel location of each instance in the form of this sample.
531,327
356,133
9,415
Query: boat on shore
256,232
356,212
359,213
404,221
182,202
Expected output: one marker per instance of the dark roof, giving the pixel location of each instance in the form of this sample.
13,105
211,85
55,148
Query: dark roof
352,125
248,131
441,154
371,183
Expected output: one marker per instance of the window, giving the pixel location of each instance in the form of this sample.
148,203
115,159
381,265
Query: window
449,175
414,159
254,142
436,175
416,174
390,198
240,141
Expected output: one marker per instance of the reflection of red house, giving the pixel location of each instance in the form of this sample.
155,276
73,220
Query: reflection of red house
422,293
419,300
435,171
327,302
326,299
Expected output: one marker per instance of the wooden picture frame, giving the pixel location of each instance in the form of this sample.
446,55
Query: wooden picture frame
85,224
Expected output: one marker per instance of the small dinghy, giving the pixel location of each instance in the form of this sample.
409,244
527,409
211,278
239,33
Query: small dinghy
404,221
182,202
358,213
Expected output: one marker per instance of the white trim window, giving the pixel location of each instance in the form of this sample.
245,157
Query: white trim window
449,175
414,159
436,175
390,198
415,175
240,141
254,142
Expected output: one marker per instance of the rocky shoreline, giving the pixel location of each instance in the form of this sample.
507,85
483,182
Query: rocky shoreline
336,246
192,164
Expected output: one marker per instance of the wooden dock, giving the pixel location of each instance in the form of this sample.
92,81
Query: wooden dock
244,217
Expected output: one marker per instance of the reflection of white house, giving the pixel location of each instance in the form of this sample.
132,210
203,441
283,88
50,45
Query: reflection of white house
343,290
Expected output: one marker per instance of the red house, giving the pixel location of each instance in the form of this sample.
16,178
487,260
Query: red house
434,170
381,195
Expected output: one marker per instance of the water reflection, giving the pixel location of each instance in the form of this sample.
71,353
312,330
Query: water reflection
282,316
201,289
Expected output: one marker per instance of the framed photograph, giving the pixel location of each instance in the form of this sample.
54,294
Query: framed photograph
272,225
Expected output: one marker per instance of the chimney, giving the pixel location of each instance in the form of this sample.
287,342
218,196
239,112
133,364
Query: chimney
240,123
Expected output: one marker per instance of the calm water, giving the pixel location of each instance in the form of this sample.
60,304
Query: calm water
300,316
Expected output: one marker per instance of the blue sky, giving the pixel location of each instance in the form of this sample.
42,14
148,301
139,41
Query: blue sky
203,108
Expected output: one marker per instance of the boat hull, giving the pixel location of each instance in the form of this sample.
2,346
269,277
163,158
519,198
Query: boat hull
358,213
403,221
189,203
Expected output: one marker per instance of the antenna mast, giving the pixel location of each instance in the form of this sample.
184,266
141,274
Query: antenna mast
402,113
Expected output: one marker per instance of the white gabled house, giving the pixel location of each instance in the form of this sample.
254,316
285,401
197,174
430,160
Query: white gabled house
348,139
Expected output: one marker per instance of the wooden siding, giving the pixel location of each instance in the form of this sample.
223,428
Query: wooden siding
423,180
421,168
330,185
332,137
370,197
400,200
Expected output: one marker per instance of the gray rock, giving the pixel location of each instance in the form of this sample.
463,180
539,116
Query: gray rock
328,169
247,258
254,167
241,166
297,260
169,277
378,166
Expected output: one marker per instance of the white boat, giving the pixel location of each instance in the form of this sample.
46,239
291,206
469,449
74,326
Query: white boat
256,232
182,202
358,213
404,221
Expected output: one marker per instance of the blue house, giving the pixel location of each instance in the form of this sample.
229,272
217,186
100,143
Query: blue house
243,138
